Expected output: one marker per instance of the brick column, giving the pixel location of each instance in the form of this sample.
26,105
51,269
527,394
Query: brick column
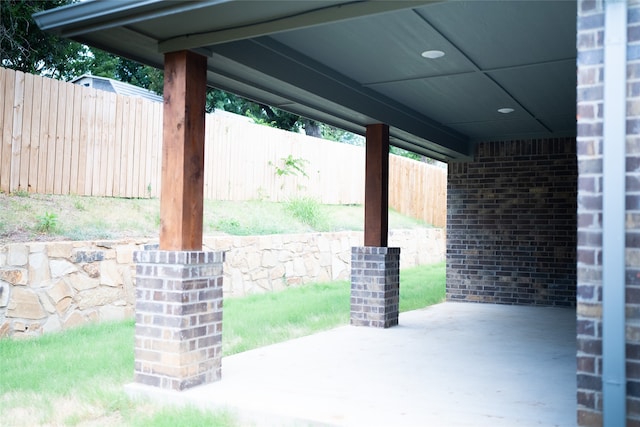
178,318
375,286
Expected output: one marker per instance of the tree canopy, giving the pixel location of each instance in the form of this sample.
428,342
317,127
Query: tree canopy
24,47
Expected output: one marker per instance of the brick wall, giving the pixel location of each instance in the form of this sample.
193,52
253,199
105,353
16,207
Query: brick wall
178,343
375,286
633,217
511,224
589,147
589,274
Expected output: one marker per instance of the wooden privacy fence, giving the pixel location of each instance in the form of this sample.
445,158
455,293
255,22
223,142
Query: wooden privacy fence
61,138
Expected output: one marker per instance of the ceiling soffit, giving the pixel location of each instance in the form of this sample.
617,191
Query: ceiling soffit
519,55
355,63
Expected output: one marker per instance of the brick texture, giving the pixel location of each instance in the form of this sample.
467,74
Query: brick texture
375,286
178,318
589,246
590,42
633,216
511,224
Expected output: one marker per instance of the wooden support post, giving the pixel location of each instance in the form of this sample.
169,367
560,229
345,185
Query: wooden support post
182,191
376,196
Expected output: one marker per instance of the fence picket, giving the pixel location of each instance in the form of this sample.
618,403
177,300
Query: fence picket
62,138
44,136
3,166
6,132
51,137
34,142
142,156
25,151
16,134
67,138
110,145
76,137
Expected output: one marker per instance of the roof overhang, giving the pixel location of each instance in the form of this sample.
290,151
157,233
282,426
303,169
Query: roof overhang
354,63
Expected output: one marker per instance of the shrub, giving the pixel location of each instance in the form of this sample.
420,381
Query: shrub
20,193
308,211
47,222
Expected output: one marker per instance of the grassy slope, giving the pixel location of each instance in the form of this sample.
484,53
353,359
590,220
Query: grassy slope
86,218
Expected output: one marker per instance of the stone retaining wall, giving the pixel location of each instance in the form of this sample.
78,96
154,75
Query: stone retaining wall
50,286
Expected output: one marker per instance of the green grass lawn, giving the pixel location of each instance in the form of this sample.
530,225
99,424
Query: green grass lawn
77,377
27,217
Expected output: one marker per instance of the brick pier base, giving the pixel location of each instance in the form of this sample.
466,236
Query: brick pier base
375,286
178,318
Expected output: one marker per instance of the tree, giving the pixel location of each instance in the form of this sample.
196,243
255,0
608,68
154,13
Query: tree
24,47
139,75
261,113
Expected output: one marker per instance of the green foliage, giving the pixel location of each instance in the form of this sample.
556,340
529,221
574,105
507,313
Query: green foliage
79,205
339,135
101,353
254,227
422,286
42,374
88,218
260,113
20,193
259,320
230,226
24,47
96,229
291,166
308,211
405,153
186,416
47,222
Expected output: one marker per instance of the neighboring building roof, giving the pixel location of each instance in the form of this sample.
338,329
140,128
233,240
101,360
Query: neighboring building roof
111,85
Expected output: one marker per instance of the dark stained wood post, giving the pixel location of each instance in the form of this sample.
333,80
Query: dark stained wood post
182,191
179,287
376,196
375,268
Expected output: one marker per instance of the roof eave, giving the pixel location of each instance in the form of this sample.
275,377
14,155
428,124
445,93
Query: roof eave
94,15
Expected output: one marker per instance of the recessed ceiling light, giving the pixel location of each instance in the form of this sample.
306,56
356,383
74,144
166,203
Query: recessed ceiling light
433,54
506,110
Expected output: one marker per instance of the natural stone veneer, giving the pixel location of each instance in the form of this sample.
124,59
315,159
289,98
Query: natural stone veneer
47,287
64,284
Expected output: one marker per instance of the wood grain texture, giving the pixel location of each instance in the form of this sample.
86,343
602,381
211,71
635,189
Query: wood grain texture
16,134
376,192
34,142
94,151
6,131
181,199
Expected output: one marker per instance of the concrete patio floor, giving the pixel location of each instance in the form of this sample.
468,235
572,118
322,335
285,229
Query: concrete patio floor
451,364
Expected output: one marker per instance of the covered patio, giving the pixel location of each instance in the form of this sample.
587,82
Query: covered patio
451,364
543,198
